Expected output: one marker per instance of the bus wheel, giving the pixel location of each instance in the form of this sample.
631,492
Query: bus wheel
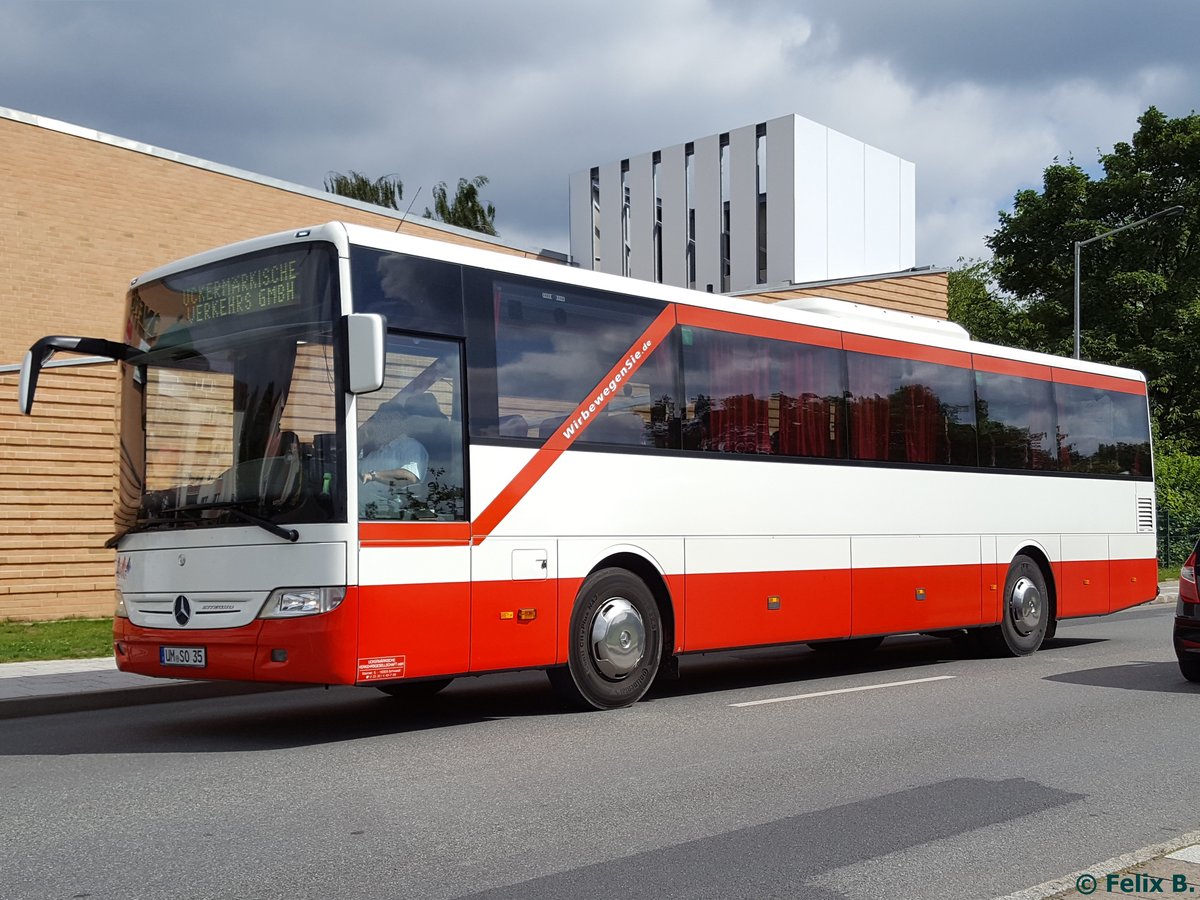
1025,617
615,642
415,690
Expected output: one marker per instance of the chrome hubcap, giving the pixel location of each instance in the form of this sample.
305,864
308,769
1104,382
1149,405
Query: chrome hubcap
1025,606
618,638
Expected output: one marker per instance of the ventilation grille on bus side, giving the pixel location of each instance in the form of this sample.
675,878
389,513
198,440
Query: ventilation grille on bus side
1145,514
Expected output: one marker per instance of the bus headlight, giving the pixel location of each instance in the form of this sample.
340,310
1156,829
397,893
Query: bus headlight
286,602
121,612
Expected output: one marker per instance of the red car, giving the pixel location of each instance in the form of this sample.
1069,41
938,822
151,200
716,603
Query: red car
1187,620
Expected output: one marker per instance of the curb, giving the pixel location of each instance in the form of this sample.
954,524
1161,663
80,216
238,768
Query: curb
1066,885
54,704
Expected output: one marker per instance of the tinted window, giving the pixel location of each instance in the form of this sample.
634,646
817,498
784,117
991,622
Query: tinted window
904,410
728,385
755,395
812,409
1102,432
643,412
1016,422
539,349
414,294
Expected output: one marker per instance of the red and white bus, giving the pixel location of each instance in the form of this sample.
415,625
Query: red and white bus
354,457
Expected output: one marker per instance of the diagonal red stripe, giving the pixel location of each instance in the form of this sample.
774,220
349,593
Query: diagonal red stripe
651,339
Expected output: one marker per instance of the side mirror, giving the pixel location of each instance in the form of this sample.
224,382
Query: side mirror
39,354
365,352
28,384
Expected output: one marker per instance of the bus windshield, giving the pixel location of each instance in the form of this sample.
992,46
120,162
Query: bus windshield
231,412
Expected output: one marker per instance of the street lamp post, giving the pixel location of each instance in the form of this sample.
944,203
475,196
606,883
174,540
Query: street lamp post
1161,214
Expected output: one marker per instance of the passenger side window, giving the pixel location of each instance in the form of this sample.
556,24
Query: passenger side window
728,385
906,410
553,345
1102,432
410,435
812,406
1016,422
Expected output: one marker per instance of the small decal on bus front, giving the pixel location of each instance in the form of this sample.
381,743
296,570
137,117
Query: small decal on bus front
380,668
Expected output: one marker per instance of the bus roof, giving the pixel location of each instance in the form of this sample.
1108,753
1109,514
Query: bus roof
827,313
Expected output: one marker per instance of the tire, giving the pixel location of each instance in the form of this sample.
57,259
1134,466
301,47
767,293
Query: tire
1026,614
1189,667
614,644
846,646
415,690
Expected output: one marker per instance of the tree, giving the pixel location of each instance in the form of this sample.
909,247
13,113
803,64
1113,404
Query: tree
466,210
386,190
1140,290
974,302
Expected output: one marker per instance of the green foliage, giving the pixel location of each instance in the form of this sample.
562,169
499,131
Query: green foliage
61,639
1140,290
386,190
1177,484
466,210
987,314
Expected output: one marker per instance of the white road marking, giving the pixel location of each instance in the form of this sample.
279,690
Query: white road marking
865,687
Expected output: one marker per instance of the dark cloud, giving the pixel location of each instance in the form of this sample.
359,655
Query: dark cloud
980,97
1017,42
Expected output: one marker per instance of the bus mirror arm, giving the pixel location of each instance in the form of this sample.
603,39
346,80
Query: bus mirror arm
40,353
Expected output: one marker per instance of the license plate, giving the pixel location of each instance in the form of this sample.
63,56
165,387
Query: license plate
196,657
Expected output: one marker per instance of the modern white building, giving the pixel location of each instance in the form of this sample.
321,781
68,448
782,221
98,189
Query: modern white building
787,201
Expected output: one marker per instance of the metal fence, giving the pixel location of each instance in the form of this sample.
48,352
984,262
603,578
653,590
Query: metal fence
1177,534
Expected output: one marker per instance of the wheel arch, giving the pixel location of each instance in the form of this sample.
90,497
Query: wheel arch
651,574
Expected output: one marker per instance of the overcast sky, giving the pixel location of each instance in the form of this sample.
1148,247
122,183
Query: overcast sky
980,96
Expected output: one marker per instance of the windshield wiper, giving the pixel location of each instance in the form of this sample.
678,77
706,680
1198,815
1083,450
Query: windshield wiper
231,506
288,534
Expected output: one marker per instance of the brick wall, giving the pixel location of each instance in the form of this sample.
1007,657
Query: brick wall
78,219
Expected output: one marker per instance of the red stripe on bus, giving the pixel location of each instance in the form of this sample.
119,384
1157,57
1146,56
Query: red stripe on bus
513,492
574,425
862,343
425,533
717,320
998,366
446,629
1104,382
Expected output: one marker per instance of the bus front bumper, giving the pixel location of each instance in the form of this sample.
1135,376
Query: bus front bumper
317,649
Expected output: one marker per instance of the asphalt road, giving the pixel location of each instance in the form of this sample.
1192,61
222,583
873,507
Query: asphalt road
976,778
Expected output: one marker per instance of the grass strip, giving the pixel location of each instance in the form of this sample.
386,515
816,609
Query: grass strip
57,639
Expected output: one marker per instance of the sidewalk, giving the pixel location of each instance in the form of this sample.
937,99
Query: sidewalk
1160,870
72,685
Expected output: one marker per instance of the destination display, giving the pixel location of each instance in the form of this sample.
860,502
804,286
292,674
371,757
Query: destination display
262,288
222,295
